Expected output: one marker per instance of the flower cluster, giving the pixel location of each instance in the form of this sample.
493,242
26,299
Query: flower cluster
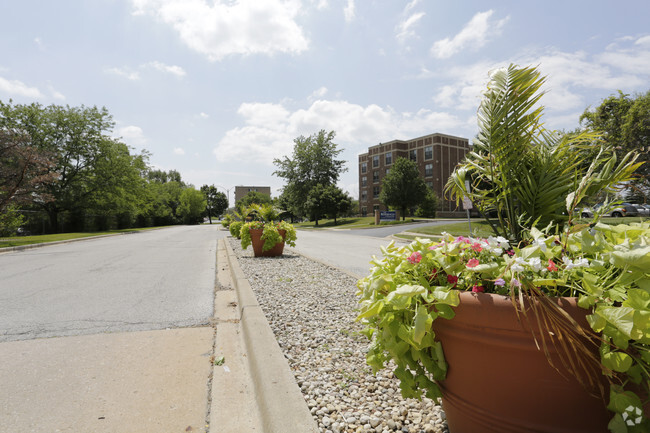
492,265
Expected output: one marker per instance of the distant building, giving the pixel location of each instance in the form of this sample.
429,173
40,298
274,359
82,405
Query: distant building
436,156
241,191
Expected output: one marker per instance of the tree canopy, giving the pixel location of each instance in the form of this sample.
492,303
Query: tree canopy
403,187
61,169
312,163
216,201
624,122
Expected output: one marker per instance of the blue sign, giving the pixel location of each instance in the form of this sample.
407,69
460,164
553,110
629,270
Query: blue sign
388,215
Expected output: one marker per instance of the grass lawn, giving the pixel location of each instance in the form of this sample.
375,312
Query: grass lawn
348,223
28,240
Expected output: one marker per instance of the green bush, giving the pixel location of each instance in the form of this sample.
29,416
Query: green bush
235,229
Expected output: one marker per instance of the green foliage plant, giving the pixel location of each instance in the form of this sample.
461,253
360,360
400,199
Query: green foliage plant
235,229
521,174
606,267
403,187
270,234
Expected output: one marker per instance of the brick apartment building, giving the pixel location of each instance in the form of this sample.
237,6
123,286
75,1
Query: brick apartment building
436,156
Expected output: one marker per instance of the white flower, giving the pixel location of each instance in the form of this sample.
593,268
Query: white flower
581,263
535,263
497,251
518,265
540,242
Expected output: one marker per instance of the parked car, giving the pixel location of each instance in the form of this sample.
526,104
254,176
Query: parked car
622,210
643,209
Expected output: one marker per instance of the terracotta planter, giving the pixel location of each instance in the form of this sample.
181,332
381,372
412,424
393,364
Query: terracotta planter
258,243
498,381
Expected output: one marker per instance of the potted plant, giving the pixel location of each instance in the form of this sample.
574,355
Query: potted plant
528,330
267,236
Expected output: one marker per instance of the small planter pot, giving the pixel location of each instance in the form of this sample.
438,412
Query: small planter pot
258,244
498,380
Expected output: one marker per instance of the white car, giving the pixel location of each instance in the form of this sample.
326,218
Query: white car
644,209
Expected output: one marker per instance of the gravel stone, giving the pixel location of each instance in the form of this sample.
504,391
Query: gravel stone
311,310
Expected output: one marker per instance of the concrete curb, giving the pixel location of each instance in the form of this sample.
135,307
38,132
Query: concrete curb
282,406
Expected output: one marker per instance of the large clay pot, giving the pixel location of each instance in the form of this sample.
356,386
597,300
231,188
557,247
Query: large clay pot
498,380
258,243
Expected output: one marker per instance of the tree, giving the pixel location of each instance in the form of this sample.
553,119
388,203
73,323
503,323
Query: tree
403,187
625,124
78,138
313,162
523,175
252,197
429,205
329,201
24,170
192,205
216,202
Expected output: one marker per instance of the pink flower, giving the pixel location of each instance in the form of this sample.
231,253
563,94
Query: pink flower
478,289
414,258
477,247
472,263
551,266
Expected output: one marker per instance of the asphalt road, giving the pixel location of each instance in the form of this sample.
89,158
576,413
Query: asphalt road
148,280
351,250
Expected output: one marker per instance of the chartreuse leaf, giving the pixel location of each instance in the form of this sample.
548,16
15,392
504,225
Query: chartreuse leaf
374,310
422,323
617,361
637,257
621,317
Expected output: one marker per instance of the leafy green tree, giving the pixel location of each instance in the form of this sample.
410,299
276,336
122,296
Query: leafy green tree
313,162
523,174
624,122
403,187
192,205
429,205
78,138
217,202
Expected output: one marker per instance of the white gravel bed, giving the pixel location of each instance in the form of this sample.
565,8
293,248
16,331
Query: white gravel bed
311,309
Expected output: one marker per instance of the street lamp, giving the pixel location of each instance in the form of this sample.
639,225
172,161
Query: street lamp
227,192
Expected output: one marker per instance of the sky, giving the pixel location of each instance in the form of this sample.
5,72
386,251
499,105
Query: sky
217,89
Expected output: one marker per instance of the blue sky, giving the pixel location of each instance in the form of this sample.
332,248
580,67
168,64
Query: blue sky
217,89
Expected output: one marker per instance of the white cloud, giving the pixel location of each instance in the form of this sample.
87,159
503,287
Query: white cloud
222,28
203,115
170,69
39,43
15,87
349,11
124,72
179,151
318,93
270,129
476,34
405,29
132,135
56,94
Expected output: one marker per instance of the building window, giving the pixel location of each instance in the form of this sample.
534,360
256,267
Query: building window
375,192
375,207
364,195
387,171
364,181
413,155
364,167
375,161
428,152
430,184
428,170
375,176
364,211
389,158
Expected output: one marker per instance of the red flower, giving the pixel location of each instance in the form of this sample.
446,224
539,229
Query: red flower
477,247
478,289
452,279
472,263
551,266
414,258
